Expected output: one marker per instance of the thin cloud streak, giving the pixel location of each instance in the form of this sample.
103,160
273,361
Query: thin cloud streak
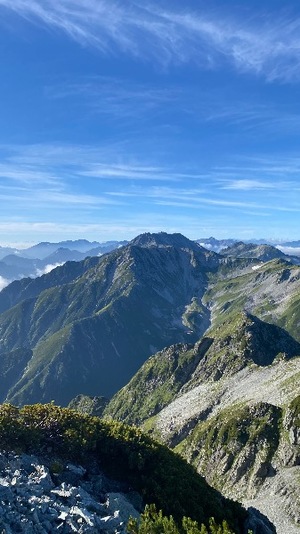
195,197
226,204
116,98
96,185
28,162
121,228
127,173
69,199
26,175
258,47
254,185
125,102
275,170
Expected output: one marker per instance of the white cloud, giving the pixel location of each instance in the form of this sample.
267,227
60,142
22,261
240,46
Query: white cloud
28,175
131,172
3,282
291,251
48,268
262,45
248,185
27,163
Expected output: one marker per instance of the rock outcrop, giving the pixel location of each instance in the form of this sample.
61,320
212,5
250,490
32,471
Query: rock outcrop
39,495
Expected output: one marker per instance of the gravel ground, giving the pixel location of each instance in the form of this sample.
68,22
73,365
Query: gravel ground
35,500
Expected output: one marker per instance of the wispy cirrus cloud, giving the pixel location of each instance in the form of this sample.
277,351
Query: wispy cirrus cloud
230,195
278,172
195,202
120,99
263,45
27,164
252,115
108,187
123,227
268,45
254,185
116,98
27,185
131,172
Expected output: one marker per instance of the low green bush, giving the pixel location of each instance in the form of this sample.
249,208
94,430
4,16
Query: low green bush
153,522
122,452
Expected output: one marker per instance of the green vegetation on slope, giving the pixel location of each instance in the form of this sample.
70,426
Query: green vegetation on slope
155,384
116,310
270,291
290,318
226,349
295,410
123,452
153,522
234,445
88,405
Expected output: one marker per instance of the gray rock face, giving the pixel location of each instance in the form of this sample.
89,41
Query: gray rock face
38,496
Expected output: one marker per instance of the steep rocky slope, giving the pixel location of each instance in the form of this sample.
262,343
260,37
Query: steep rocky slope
217,365
90,325
229,405
270,290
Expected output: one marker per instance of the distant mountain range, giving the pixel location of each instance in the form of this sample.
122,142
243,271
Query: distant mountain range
43,257
217,245
40,259
87,326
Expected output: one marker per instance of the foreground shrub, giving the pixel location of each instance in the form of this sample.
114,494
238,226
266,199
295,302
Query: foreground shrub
153,522
124,453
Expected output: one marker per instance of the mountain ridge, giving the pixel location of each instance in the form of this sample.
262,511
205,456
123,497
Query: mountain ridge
236,424
77,304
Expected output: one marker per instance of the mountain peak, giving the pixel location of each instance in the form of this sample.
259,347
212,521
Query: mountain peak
261,252
256,340
163,239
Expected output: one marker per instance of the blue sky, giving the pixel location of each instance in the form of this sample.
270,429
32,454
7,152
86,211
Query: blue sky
120,117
